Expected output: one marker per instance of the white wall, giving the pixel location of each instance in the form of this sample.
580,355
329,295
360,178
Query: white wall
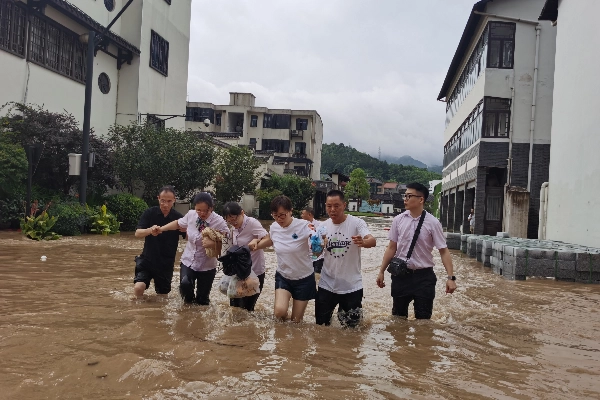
574,192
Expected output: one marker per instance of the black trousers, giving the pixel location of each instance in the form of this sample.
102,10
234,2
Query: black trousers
189,279
417,287
349,307
248,302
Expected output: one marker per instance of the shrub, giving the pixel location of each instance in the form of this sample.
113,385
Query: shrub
128,209
103,221
72,218
40,227
11,211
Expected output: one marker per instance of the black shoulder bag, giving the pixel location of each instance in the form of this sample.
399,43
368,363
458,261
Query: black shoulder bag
399,267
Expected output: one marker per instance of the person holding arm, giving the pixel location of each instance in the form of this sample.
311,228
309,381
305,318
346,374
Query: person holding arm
158,257
418,284
246,230
295,275
197,270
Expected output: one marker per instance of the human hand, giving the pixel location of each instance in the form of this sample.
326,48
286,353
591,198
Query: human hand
155,230
358,240
380,280
450,286
253,245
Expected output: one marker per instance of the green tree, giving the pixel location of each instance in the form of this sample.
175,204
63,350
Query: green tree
149,158
299,189
358,185
13,168
236,174
60,134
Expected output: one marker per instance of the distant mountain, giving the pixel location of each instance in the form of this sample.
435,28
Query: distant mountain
436,168
404,160
344,159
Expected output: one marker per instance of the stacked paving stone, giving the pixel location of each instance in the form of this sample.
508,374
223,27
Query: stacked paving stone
516,258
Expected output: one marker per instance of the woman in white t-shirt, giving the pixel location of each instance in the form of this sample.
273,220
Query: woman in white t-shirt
295,275
245,230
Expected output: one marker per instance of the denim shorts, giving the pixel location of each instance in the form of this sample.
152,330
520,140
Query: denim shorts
301,289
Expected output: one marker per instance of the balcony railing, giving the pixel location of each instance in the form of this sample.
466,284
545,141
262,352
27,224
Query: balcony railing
293,171
296,133
299,155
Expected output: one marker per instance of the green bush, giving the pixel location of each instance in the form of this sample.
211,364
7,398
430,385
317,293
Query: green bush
11,210
103,221
128,209
72,218
40,227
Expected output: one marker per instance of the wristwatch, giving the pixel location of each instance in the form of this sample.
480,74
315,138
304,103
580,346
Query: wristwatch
451,278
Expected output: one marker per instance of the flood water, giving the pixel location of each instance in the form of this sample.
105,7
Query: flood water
69,330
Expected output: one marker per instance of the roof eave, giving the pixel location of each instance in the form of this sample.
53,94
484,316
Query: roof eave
550,11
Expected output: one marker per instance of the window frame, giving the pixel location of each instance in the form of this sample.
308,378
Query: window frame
502,41
498,113
12,40
254,121
159,44
301,124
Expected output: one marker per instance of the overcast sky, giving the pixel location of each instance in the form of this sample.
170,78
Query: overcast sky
372,69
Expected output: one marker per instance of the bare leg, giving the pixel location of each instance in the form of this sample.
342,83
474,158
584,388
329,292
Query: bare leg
282,303
298,308
138,289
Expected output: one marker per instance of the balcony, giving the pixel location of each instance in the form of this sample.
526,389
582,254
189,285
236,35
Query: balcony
295,171
296,134
299,155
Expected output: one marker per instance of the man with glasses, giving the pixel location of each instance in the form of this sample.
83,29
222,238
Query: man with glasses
158,257
418,284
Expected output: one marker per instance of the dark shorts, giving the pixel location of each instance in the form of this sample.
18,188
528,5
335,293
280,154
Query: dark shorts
318,265
161,272
349,307
301,289
418,287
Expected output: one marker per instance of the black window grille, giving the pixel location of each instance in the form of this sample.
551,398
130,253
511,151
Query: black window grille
496,120
502,44
281,121
301,124
218,120
278,146
267,120
199,114
13,25
253,121
159,54
54,47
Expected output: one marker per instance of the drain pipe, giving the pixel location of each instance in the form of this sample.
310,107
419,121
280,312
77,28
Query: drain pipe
510,133
543,211
532,125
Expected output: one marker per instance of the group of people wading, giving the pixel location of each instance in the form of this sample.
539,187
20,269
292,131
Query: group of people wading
412,237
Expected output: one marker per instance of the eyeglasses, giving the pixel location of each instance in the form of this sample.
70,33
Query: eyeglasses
279,216
162,201
407,196
232,218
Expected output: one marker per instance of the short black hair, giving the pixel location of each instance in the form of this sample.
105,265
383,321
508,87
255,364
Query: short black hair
167,188
203,197
309,210
281,201
422,189
232,208
336,193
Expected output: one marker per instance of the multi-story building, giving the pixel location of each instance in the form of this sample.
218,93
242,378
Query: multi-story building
140,69
498,94
572,196
292,139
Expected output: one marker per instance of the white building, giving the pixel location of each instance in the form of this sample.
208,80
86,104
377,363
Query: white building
292,139
140,70
573,196
498,91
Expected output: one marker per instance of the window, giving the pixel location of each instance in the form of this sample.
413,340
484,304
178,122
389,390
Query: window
501,44
199,114
109,4
155,121
253,121
496,117
12,27
252,143
168,2
300,148
218,119
277,121
279,146
56,48
301,124
159,54
267,120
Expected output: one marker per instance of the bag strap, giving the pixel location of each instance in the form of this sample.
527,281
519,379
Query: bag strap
414,240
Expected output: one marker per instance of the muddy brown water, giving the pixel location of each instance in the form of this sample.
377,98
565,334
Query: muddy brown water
69,330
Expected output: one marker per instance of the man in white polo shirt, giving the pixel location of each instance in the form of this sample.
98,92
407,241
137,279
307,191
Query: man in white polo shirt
418,284
341,279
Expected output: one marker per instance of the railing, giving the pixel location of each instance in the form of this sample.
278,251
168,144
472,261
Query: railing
467,134
296,133
292,171
299,155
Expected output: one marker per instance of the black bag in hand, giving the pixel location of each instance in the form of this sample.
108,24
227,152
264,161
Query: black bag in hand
398,266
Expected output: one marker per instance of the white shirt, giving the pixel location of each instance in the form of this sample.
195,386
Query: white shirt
194,256
341,271
291,247
251,229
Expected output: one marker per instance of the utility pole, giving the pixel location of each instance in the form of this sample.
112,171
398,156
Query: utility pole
93,41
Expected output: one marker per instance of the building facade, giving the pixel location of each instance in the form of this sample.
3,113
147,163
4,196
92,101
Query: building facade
293,138
140,68
498,94
573,192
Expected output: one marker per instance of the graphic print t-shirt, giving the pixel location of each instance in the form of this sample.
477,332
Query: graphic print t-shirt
341,268
291,247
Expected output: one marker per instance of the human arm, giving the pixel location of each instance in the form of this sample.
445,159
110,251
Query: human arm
262,243
366,241
145,227
389,253
447,261
143,232
171,226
